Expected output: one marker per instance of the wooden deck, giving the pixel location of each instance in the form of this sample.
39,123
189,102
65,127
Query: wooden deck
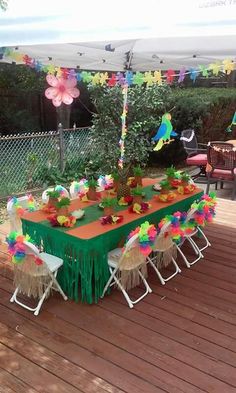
180,338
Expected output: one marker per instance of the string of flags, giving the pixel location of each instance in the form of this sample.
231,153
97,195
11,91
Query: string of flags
122,78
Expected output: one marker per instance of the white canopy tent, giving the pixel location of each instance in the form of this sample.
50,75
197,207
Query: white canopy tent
115,36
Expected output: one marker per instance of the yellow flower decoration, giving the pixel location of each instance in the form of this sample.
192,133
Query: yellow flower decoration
103,78
148,78
62,219
58,72
228,66
157,77
96,79
215,68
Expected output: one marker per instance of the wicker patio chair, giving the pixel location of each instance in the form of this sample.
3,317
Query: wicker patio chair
221,158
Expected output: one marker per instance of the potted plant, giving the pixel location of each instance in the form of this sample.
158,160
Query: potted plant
108,204
185,179
138,174
165,187
91,194
53,197
173,176
116,180
137,194
62,206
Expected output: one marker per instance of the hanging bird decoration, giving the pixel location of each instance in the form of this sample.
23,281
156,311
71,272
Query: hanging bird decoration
164,132
233,123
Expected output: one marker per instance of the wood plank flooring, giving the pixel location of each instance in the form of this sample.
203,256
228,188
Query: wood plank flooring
180,338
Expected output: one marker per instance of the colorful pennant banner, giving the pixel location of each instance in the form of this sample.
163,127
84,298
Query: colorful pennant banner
124,127
122,78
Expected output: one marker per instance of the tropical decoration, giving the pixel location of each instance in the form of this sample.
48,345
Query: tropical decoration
17,248
105,182
173,176
108,203
233,123
30,205
139,208
92,185
138,174
146,235
80,188
62,221
166,195
124,127
119,78
62,90
175,229
187,186
164,132
124,201
62,206
111,219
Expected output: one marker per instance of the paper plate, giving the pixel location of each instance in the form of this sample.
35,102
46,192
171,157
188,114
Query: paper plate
78,214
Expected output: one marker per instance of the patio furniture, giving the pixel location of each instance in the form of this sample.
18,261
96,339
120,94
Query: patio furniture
34,279
164,250
59,188
14,218
85,247
127,269
221,158
196,153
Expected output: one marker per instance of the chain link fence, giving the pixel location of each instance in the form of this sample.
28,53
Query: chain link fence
27,159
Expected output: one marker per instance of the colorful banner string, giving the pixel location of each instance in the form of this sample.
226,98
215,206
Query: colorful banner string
120,79
124,128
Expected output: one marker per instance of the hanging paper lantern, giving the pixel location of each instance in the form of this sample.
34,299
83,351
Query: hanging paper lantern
61,90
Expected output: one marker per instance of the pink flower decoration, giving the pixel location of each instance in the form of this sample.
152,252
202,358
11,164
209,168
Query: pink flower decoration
61,90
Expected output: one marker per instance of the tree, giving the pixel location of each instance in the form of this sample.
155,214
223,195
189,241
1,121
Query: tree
3,4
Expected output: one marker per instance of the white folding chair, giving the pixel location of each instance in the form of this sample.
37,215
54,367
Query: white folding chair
164,250
15,221
36,280
192,238
127,269
59,188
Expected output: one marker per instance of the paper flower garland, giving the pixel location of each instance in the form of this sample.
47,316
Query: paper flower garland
124,128
17,249
62,90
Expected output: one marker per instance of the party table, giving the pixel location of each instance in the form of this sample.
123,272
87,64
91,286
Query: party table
84,247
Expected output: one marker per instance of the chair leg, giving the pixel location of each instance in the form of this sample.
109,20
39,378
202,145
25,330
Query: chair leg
112,276
208,185
161,278
59,287
208,244
42,299
221,184
13,298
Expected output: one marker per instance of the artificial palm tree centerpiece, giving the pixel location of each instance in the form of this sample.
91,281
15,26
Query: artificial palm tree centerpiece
123,189
173,176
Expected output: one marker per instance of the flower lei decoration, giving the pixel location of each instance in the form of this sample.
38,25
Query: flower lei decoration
31,205
62,221
112,219
205,209
17,249
147,235
105,182
168,197
176,228
139,208
61,190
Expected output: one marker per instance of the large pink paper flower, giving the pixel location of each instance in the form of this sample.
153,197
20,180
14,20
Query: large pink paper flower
61,90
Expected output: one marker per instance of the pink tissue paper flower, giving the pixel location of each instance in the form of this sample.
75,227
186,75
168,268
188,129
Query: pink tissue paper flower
61,90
